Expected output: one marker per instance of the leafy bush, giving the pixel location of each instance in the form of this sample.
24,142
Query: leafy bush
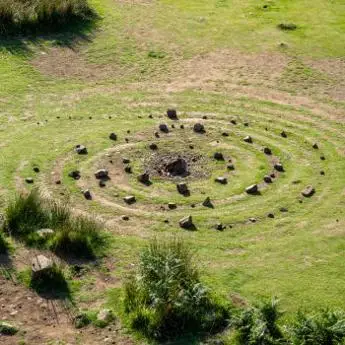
258,325
166,298
73,235
32,15
7,329
325,328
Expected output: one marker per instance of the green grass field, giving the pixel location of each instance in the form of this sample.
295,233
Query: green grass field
224,59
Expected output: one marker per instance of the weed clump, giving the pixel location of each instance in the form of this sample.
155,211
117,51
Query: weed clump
22,16
73,235
324,328
287,26
165,297
258,325
3,244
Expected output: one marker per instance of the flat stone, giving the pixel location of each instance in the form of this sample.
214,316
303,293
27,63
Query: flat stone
248,139
81,149
87,194
270,215
221,180
29,180
130,199
252,220
163,128
199,128
186,222
279,167
101,174
144,178
253,189
172,206
45,232
308,191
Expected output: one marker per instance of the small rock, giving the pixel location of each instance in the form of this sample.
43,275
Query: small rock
113,136
233,121
128,169
153,147
208,203
102,183
125,218
172,114
248,139
253,189
221,180
322,158
220,227
252,220
87,194
81,150
316,146
75,174
270,215
204,117
157,135
268,179
182,126
246,124
144,178
40,264
225,134
322,173
7,329
163,128
279,167
130,199
182,188
105,315
218,156
231,167
308,191
36,169
172,206
101,174
267,151
191,147
58,182
29,180
186,222
126,160
283,134
199,128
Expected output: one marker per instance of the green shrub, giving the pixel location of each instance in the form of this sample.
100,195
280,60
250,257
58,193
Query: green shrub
7,329
21,16
81,320
258,325
325,328
165,298
75,235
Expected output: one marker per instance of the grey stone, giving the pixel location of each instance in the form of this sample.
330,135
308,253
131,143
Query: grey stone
218,156
172,205
279,167
40,264
81,150
186,222
163,128
29,180
112,136
172,114
182,188
267,151
268,179
75,174
207,203
221,180
45,232
308,191
248,139
253,189
130,199
101,174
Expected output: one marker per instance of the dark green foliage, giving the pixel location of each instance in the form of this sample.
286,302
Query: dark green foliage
51,281
325,328
166,298
258,325
81,320
22,16
7,329
74,235
3,244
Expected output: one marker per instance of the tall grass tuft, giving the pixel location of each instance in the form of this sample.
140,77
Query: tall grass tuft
258,325
165,297
325,328
74,235
3,244
20,16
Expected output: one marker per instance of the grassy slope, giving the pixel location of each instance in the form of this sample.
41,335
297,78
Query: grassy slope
298,256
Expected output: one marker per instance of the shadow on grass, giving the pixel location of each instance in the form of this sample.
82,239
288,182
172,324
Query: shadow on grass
62,36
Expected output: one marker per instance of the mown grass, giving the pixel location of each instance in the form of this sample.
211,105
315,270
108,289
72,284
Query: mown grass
34,16
73,235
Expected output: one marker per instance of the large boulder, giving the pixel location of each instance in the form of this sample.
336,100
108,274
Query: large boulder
40,264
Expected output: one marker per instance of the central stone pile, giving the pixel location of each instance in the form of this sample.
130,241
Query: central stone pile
176,167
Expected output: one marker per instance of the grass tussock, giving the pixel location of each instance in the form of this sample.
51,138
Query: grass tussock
3,244
165,297
75,235
22,16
